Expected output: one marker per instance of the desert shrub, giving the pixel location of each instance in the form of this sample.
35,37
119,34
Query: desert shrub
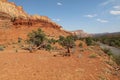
75,37
92,56
2,47
52,41
82,39
37,38
48,47
19,40
80,45
88,41
61,39
107,51
116,58
67,42
16,50
109,40
101,77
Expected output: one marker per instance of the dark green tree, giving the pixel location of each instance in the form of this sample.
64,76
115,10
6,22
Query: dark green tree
52,41
67,42
89,41
37,38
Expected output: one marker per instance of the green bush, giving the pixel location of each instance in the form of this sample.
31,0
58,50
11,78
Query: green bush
92,56
52,41
109,40
36,38
75,37
67,42
2,48
19,40
80,45
89,41
117,59
48,47
107,51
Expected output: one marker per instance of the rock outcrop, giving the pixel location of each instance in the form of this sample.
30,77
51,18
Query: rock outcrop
16,14
80,33
15,23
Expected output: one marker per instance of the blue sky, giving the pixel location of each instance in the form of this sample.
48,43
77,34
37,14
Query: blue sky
92,16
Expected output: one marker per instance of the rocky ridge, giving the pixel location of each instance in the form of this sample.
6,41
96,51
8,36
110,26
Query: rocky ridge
15,23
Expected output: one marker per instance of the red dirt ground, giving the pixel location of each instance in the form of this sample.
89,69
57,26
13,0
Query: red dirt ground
41,65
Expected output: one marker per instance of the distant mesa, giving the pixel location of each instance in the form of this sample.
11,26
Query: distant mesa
115,34
80,33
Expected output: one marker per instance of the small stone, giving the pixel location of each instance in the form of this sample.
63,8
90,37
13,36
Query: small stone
80,55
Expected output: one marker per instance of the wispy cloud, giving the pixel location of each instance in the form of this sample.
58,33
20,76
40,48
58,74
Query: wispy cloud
59,4
115,12
56,19
91,15
110,2
102,20
116,7
107,2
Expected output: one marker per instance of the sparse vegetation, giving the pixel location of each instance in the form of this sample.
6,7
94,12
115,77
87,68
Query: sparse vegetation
19,40
48,47
89,41
52,41
101,77
80,45
67,42
117,59
2,48
107,51
93,55
68,57
75,37
109,40
37,39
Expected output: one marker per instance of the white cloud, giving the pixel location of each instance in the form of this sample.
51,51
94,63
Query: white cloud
91,16
116,7
59,4
56,20
102,20
107,2
115,12
110,2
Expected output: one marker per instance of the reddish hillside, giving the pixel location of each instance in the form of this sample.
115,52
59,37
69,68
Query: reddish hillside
15,22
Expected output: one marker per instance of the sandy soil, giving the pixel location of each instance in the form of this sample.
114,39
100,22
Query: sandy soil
41,65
